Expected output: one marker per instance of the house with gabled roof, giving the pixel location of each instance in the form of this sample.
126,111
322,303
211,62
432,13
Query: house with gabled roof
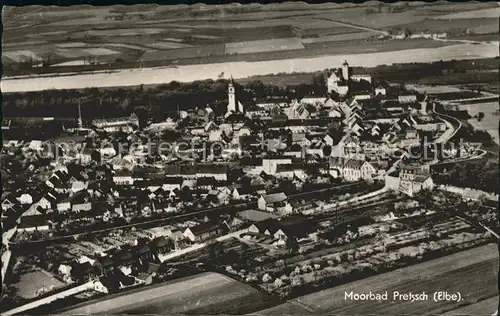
275,203
205,231
243,193
355,105
336,166
413,179
357,129
8,200
284,230
356,170
47,200
123,177
33,223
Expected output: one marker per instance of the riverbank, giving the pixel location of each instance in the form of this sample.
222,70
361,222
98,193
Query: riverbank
132,77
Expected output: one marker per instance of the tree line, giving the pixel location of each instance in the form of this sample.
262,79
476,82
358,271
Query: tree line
156,102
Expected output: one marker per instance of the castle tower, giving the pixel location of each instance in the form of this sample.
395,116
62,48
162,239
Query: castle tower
231,95
345,70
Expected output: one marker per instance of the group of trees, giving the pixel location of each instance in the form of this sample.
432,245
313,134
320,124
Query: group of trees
472,175
158,102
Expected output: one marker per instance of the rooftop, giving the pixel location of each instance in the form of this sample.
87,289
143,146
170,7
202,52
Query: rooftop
275,198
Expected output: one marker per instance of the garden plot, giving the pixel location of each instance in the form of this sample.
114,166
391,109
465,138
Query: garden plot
471,272
263,46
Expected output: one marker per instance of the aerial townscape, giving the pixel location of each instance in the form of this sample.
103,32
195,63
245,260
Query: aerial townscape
294,192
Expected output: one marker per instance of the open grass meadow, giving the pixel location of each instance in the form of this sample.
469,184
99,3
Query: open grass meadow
31,284
129,36
204,294
489,122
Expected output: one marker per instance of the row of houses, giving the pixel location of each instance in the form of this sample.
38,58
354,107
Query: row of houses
352,169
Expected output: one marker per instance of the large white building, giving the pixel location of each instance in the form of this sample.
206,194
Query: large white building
270,165
339,80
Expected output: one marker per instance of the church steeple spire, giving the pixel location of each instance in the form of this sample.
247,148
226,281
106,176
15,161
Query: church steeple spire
233,106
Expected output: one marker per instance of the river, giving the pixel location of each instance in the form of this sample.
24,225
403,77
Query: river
132,77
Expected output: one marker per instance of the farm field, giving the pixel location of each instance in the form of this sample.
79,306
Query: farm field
490,121
31,282
188,52
208,294
263,46
454,26
474,14
338,37
21,55
472,272
124,32
298,31
484,307
169,45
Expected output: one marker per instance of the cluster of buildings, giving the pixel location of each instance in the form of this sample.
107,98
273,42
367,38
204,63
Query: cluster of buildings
410,179
243,157
315,139
341,80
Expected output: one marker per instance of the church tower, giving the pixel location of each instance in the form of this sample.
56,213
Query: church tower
231,95
345,70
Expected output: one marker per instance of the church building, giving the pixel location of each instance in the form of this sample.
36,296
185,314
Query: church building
234,106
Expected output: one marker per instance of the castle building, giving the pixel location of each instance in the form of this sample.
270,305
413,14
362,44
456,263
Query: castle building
341,77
